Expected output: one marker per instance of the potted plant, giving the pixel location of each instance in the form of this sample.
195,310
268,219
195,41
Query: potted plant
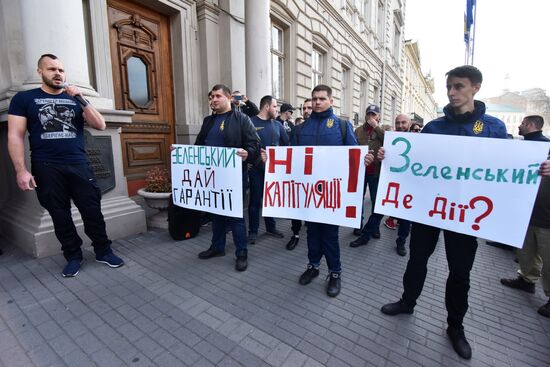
157,195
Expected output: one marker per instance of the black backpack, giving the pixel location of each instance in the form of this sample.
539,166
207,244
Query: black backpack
183,223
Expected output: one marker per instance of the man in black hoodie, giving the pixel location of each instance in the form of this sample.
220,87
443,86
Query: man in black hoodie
228,127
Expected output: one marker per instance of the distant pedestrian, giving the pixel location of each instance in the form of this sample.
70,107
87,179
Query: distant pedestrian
242,104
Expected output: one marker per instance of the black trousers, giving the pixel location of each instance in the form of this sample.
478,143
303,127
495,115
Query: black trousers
461,252
57,185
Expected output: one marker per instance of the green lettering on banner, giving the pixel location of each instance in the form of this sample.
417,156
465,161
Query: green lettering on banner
533,174
404,167
463,172
416,169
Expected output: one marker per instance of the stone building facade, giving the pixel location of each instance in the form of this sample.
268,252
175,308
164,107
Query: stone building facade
148,65
418,90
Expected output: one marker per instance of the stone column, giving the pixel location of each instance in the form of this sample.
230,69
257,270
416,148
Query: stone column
53,27
258,49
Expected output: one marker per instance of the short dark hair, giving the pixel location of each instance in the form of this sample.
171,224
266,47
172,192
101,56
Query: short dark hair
415,125
307,100
537,120
322,87
51,56
466,71
266,100
224,88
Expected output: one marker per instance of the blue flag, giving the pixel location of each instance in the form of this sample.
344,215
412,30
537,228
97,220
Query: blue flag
468,19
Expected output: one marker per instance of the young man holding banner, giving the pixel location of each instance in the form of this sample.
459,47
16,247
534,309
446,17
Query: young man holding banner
323,128
465,117
233,129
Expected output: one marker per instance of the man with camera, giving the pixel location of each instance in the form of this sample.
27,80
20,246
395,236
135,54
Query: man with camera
241,103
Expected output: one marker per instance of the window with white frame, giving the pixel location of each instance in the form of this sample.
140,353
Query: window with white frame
376,95
346,90
380,19
396,41
363,97
317,61
277,61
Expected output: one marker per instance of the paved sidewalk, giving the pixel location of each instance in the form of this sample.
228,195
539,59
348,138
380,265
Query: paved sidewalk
168,308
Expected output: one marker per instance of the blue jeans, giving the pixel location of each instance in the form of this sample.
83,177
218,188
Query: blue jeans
238,229
403,231
57,184
322,239
256,184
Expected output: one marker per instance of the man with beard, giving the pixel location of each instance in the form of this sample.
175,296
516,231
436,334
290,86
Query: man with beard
55,119
271,133
230,128
534,256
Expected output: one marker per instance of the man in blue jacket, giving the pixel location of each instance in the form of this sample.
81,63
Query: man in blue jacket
230,128
464,116
323,128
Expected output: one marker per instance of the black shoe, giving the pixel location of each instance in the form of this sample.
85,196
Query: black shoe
396,308
275,233
519,283
242,263
401,250
376,235
358,242
308,275
357,232
334,284
252,238
459,342
544,310
210,253
292,243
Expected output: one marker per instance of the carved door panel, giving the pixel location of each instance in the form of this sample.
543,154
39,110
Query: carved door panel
142,77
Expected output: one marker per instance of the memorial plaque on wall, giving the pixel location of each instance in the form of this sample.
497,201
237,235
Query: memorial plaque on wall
99,150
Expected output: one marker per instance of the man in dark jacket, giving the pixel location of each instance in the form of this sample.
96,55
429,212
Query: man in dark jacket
228,128
323,128
534,257
271,133
241,103
466,117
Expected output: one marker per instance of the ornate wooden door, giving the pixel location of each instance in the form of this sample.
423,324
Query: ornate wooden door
142,77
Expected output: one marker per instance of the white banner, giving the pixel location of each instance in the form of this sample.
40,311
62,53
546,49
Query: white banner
318,184
478,186
208,179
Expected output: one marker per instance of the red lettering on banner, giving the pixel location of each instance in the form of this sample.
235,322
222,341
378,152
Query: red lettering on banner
354,158
442,205
283,162
308,161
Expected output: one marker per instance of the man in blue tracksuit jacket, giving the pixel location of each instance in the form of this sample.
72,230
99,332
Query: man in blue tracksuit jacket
323,128
465,117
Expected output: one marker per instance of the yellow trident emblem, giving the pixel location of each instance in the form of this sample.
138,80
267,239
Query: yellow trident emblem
330,123
478,127
222,126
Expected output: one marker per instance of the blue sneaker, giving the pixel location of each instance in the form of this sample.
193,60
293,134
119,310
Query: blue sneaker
111,260
71,269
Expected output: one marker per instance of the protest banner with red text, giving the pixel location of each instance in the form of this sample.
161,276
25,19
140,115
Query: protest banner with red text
208,179
321,184
482,187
